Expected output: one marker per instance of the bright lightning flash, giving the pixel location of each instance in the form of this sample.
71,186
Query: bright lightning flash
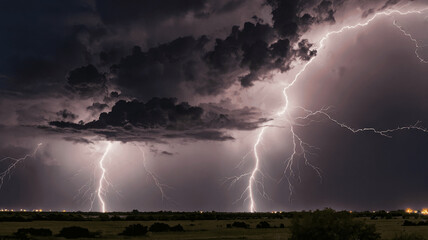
252,179
101,190
15,161
300,148
102,183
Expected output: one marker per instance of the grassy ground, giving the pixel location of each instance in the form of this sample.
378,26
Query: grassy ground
391,227
202,229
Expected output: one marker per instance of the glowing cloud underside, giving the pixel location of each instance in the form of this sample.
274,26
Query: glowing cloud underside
302,149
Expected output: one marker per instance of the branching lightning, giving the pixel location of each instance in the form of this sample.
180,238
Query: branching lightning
85,192
161,186
102,183
256,169
15,161
413,40
301,149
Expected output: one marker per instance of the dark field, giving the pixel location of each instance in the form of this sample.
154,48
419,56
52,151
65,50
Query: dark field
213,225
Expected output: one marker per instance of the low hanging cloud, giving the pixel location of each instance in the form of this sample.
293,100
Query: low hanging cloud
67,115
164,118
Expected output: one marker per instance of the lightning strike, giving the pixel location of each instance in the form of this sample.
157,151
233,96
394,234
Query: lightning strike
302,149
101,191
252,180
413,40
15,161
161,186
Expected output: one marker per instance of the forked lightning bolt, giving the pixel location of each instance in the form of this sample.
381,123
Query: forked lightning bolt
102,183
413,40
15,161
103,179
161,186
86,192
300,148
252,179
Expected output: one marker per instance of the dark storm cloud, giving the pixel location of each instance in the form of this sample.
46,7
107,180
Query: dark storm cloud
246,55
66,115
44,40
66,36
87,81
159,71
389,3
167,153
166,118
291,17
78,140
70,37
325,12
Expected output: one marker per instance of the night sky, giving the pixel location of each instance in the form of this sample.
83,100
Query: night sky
225,105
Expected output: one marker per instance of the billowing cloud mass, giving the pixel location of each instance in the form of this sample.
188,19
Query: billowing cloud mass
165,118
190,65
86,81
191,83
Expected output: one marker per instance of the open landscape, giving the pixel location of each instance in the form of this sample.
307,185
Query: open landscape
212,225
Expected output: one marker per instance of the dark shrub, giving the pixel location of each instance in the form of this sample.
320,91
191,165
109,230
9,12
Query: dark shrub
134,230
159,227
282,225
263,224
176,228
329,225
76,232
34,232
408,223
229,225
422,223
103,217
240,225
135,211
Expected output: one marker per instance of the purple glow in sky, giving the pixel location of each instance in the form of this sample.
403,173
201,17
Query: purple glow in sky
214,105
